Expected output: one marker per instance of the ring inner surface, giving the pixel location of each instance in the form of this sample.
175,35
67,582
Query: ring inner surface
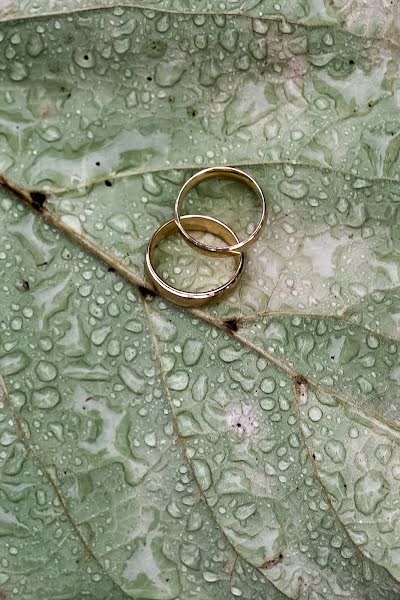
225,196
186,269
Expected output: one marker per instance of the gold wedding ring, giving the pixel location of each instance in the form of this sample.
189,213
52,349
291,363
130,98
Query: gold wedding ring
193,223
226,172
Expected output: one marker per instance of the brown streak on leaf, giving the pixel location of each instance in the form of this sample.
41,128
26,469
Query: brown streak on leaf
126,273
272,562
15,189
35,199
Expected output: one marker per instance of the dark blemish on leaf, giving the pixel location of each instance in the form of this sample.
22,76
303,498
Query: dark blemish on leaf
97,163
85,56
38,200
25,284
231,324
108,183
351,62
149,78
300,380
272,562
145,293
42,264
111,270
313,456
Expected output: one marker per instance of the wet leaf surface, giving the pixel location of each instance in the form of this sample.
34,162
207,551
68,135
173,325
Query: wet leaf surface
247,450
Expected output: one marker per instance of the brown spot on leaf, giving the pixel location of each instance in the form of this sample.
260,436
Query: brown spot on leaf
145,292
231,324
300,380
272,562
38,200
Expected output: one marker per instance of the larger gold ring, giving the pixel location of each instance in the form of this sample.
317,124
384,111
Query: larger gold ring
193,223
232,173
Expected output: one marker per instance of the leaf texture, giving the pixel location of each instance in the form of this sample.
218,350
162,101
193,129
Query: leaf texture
247,450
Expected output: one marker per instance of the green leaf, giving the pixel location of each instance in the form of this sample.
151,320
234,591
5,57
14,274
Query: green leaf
250,449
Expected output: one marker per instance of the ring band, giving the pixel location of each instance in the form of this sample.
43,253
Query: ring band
193,223
231,173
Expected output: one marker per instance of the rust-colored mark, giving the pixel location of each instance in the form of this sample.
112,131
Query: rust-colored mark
272,562
300,380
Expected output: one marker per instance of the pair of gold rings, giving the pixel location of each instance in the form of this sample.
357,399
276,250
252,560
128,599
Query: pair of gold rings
187,223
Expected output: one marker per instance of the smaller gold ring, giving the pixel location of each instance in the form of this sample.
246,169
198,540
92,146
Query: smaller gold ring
231,173
193,223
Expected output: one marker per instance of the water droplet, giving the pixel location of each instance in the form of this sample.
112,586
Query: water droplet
178,381
229,354
99,335
195,522
245,511
18,71
34,45
203,474
150,439
13,363
192,351
383,453
228,39
169,72
315,414
166,331
121,223
233,481
336,451
190,555
210,577
267,403
200,388
268,385
47,397
295,188
369,491
46,371
132,381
